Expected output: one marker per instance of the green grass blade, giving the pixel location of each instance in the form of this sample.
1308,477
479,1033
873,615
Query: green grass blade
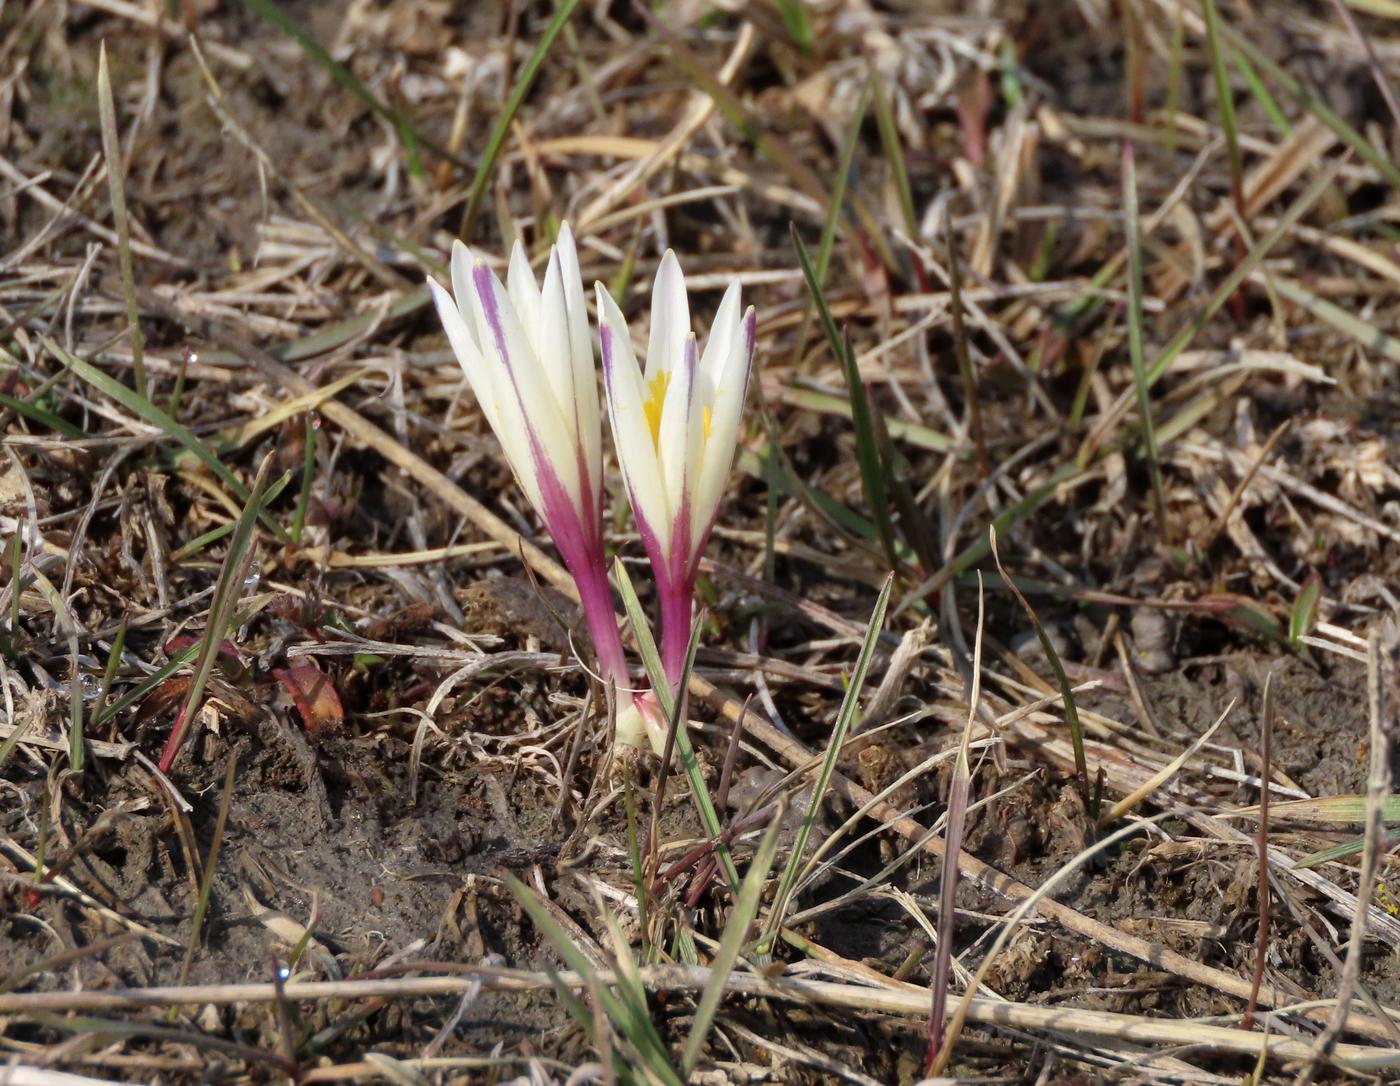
736,930
1304,614
149,683
634,856
872,472
308,473
199,542
1132,231
497,139
1368,335
636,1026
799,25
1225,102
339,333
273,13
144,409
845,720
1227,287
114,662
206,881
1336,852
641,632
576,960
41,416
221,611
12,740
1261,94
1364,149
672,706
978,549
894,154
1345,810
838,194
913,433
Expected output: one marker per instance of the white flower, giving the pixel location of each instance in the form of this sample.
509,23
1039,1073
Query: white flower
526,351
675,427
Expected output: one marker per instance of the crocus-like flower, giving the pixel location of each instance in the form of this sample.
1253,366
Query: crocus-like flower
526,351
675,428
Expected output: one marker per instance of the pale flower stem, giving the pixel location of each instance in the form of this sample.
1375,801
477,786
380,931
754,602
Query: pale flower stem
675,628
596,596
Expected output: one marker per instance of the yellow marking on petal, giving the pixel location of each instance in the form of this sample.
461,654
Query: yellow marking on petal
655,402
705,419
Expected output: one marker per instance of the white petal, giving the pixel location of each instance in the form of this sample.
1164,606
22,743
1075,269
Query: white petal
670,318
480,369
521,384
725,412
464,346
631,433
721,337
553,347
678,442
581,351
524,294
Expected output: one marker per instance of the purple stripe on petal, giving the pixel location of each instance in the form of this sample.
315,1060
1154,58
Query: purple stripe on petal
691,361
650,543
485,284
606,340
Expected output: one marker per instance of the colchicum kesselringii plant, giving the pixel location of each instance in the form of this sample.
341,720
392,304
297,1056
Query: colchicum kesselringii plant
675,427
527,353
528,356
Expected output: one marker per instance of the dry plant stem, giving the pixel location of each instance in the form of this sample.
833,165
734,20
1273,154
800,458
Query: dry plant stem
789,749
1261,938
1243,485
905,1000
1383,698
948,875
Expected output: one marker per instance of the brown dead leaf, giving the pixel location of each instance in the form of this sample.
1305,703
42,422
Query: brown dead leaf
316,697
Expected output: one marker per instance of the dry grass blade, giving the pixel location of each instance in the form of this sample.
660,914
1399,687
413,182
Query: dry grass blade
116,171
963,355
1131,229
1133,800
1383,698
1076,732
404,720
206,880
1261,938
958,794
904,1000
